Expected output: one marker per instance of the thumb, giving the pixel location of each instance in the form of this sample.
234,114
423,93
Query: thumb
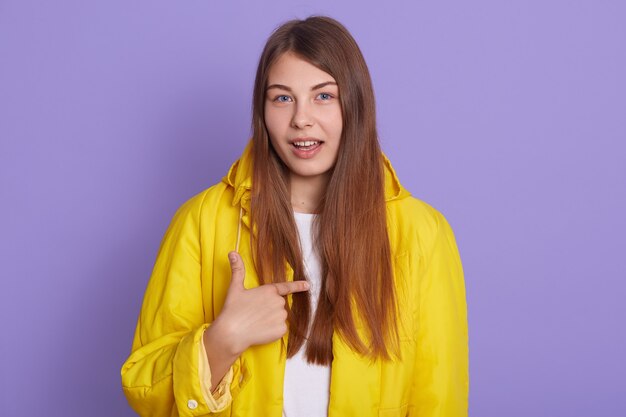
238,270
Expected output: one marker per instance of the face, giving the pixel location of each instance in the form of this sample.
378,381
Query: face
303,116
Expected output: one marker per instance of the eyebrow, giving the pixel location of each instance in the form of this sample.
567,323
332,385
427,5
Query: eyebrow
315,87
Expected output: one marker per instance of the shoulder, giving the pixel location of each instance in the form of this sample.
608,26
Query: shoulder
204,201
415,214
193,212
414,224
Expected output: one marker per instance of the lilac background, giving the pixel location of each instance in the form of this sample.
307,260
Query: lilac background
509,117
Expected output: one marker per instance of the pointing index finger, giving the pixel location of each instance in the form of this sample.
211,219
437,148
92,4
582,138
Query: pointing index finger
285,288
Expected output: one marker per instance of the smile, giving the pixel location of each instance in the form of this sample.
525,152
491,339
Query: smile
306,149
307,144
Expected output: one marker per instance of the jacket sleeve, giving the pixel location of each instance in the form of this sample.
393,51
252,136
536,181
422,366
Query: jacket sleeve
164,370
441,382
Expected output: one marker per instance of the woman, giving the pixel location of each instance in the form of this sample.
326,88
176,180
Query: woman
308,281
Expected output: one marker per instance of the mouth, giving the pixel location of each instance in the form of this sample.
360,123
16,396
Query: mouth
306,148
306,145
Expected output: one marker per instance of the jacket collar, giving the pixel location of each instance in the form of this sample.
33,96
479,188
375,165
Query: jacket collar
240,178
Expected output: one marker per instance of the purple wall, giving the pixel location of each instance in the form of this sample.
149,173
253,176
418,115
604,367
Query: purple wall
509,117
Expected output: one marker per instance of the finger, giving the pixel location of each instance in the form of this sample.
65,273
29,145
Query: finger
285,288
238,270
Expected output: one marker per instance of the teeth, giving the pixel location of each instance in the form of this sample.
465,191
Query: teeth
306,143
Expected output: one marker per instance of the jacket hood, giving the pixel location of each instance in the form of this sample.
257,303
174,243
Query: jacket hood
240,178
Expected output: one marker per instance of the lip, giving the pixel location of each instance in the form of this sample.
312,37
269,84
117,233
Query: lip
306,154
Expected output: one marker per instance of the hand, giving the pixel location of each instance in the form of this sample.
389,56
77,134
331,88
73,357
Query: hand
253,316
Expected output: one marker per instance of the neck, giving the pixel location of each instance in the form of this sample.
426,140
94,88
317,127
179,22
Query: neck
306,193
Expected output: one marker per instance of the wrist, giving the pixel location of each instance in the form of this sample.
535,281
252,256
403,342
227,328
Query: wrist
220,340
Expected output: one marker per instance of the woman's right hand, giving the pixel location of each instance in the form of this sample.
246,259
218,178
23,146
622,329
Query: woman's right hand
249,317
253,316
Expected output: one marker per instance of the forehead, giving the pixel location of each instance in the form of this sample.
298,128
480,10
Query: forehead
291,70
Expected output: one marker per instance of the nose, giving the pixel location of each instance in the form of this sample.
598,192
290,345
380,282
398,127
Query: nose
302,116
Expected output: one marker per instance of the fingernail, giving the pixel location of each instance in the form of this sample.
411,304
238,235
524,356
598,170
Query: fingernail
231,257
306,285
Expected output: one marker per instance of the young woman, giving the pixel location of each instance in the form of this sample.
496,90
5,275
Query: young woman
308,282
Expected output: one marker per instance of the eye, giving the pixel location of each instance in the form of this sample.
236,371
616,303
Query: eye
278,98
328,96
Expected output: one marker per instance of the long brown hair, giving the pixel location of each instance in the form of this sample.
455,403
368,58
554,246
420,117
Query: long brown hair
351,226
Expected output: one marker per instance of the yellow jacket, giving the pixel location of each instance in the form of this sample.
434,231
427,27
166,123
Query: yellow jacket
167,375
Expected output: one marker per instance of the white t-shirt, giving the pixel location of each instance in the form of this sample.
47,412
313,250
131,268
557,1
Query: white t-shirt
306,388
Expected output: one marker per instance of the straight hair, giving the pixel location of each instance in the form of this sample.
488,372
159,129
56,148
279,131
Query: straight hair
350,229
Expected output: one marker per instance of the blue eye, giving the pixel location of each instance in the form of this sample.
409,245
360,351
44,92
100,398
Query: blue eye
278,98
326,94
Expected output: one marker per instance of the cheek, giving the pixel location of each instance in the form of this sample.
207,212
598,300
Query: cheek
337,124
274,130
276,121
269,120
330,119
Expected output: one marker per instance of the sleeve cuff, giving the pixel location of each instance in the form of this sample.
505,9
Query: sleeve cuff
192,378
221,395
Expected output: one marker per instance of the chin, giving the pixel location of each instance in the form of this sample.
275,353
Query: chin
309,173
